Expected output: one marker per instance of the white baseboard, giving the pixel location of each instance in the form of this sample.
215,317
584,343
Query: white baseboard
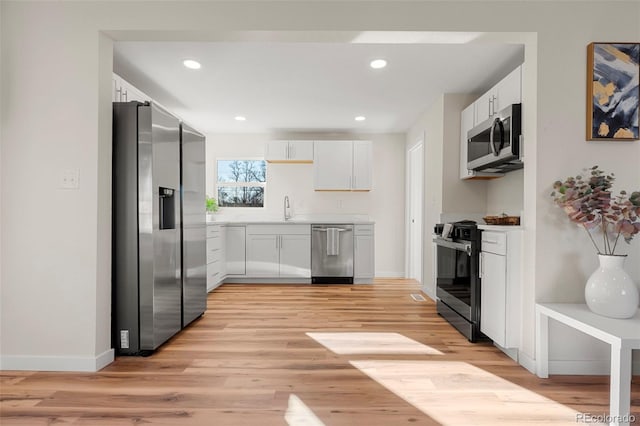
527,362
590,367
57,363
386,274
573,368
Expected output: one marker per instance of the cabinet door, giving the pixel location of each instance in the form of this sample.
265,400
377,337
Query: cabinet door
235,250
301,151
262,255
483,107
363,257
223,252
493,296
362,165
276,151
115,88
295,256
131,93
332,164
509,90
466,124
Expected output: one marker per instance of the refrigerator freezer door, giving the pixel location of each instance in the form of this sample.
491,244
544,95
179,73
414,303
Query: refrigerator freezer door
194,262
159,247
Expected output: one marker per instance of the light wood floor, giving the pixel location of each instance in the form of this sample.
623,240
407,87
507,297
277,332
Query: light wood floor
250,361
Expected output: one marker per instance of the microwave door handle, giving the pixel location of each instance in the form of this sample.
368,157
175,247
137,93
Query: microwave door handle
491,141
502,136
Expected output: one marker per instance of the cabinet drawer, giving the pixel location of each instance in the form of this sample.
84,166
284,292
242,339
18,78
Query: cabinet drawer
494,242
214,243
214,267
213,231
214,255
363,229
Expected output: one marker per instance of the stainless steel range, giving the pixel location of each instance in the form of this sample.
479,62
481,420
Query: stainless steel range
457,276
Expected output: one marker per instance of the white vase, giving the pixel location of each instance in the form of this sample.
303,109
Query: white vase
610,292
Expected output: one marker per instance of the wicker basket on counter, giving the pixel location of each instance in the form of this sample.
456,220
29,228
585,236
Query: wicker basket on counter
502,220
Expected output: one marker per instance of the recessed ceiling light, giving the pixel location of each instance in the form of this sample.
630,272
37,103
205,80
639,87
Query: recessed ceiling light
190,63
241,118
378,63
360,118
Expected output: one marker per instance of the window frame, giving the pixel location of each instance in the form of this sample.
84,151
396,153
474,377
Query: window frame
263,185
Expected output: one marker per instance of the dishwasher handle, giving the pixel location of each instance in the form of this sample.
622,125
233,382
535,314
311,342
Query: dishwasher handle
325,229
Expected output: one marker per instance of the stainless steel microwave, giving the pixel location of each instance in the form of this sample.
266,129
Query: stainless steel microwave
495,145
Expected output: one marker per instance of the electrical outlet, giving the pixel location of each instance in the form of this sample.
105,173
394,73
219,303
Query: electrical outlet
70,179
124,339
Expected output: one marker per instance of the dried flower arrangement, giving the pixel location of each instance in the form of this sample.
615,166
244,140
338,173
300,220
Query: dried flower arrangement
589,202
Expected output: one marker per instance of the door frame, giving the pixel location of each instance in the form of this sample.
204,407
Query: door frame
419,144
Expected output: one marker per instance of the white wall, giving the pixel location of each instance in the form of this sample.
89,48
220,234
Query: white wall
431,126
444,192
54,80
506,194
384,203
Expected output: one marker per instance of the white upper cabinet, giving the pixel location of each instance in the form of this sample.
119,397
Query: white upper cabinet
332,164
280,151
343,165
362,166
508,91
123,91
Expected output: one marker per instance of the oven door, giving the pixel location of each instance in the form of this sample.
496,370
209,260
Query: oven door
456,277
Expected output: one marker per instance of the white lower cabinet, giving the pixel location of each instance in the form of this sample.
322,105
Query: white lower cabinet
295,256
215,255
493,297
263,255
363,254
501,282
235,250
279,251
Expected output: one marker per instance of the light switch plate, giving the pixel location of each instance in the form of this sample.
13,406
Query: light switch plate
70,179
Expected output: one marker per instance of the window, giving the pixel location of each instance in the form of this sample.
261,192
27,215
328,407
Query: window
241,183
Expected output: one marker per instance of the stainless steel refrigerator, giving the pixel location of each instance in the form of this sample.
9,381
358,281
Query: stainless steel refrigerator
194,256
147,228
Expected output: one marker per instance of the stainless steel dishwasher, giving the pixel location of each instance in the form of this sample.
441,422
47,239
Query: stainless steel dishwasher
332,254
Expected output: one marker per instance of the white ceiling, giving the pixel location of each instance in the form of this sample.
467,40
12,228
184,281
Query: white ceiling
290,86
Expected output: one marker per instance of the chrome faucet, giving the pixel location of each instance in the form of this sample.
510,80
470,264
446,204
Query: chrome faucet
287,212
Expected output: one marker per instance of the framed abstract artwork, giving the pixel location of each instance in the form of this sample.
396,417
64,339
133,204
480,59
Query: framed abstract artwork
613,93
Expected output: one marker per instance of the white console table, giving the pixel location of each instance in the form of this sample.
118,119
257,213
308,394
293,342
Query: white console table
622,335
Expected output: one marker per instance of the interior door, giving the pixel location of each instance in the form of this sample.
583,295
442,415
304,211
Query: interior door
416,174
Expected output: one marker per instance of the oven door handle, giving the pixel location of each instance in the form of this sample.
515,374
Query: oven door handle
466,247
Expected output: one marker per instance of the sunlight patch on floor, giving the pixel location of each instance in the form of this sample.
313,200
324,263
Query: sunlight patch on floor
348,343
457,393
299,414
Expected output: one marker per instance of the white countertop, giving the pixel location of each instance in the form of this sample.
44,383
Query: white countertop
296,220
501,227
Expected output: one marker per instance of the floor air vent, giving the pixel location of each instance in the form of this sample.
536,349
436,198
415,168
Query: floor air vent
418,297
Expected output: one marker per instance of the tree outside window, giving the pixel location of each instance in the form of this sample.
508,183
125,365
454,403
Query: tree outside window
241,183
